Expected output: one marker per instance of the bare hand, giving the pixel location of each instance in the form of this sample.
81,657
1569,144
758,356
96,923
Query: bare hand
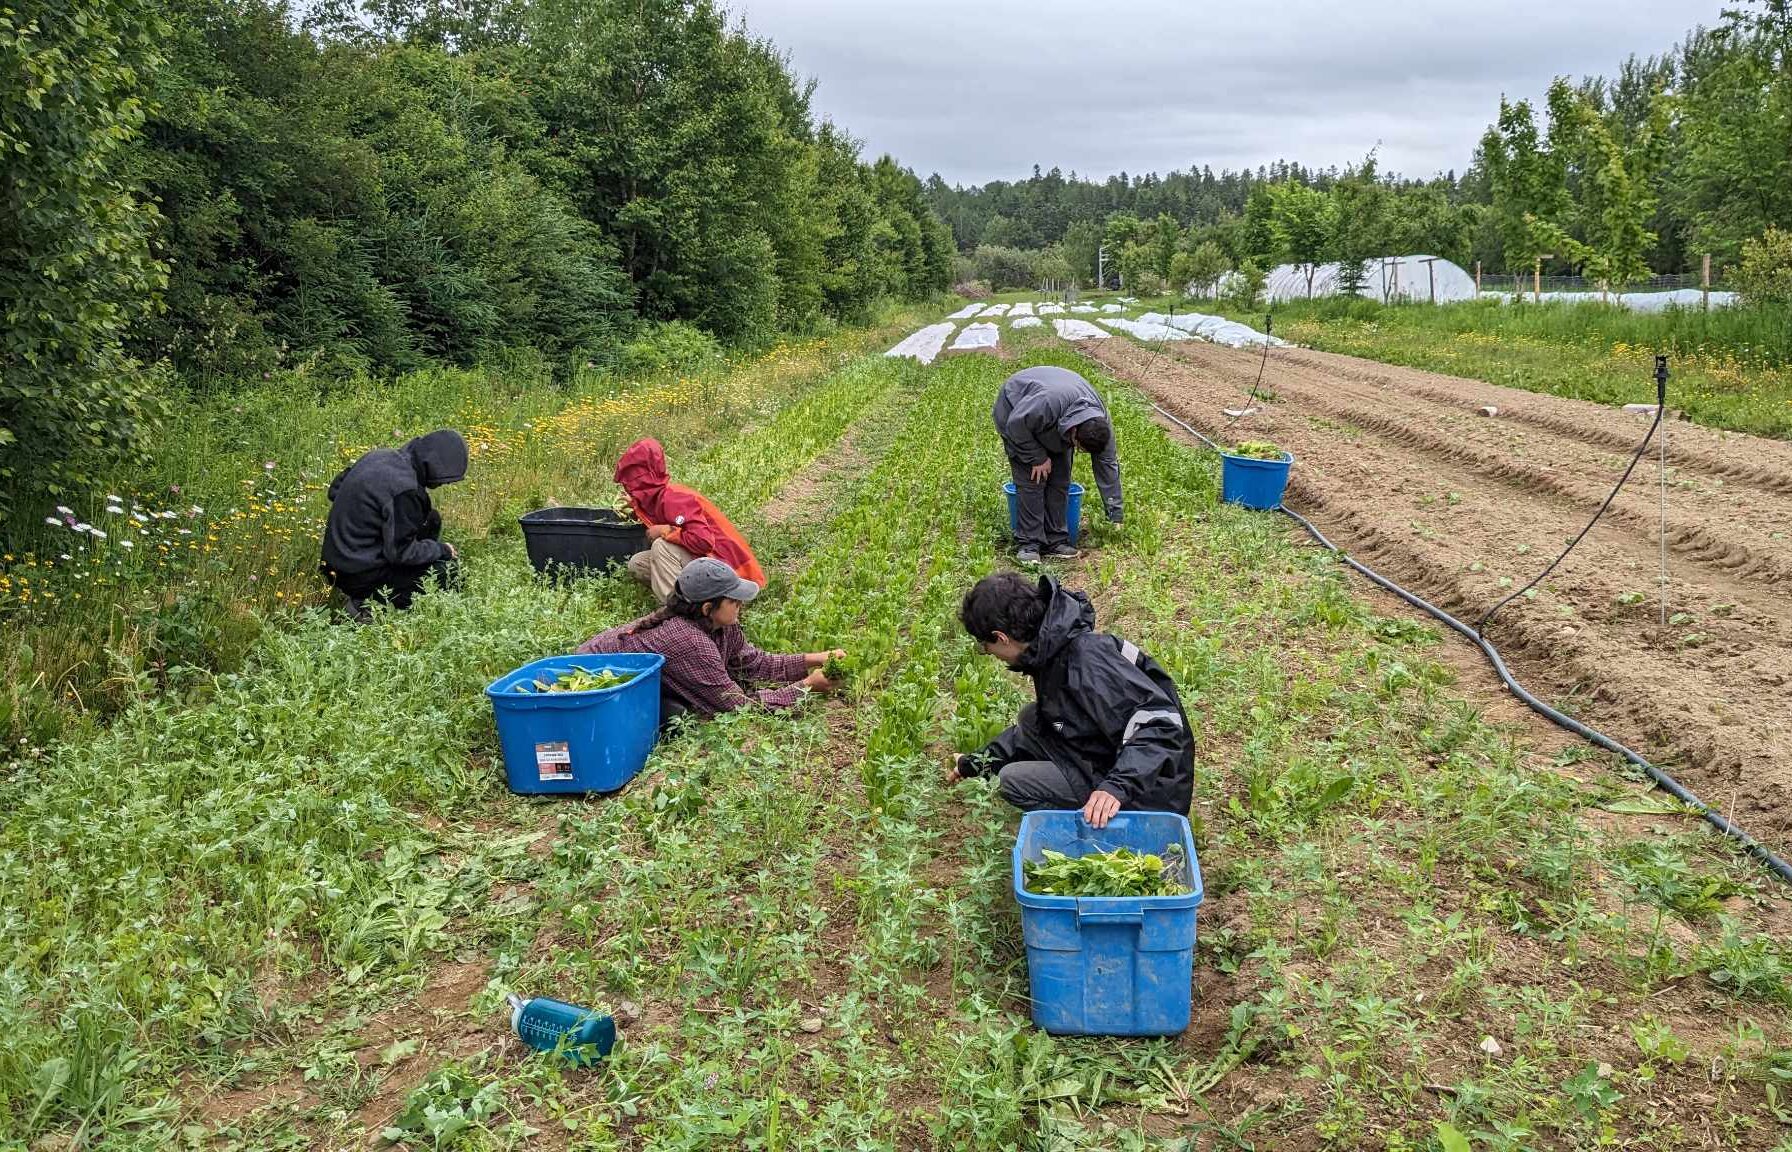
955,770
817,659
1041,471
658,531
1100,808
453,552
816,682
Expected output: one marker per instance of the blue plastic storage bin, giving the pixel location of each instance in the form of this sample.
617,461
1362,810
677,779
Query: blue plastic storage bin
1073,510
1108,966
1254,483
577,741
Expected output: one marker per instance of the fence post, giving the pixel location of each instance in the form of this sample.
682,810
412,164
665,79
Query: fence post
1477,278
1705,285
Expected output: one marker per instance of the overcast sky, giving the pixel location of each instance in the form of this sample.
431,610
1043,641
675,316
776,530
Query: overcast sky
985,89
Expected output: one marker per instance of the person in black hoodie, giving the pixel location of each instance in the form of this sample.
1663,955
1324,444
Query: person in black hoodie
383,537
1106,731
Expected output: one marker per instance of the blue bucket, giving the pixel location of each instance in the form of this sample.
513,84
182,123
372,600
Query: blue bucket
1254,483
1108,965
1073,510
577,741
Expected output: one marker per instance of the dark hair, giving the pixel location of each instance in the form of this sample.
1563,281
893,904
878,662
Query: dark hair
676,606
1094,434
1006,602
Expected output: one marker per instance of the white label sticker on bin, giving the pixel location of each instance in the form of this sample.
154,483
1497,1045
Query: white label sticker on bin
554,760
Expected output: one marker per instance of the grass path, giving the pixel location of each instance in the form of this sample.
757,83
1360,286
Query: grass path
296,924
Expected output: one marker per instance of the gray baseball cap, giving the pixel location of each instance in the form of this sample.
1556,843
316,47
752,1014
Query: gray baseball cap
707,578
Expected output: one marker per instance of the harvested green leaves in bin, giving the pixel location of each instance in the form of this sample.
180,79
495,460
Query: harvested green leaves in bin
1121,872
578,680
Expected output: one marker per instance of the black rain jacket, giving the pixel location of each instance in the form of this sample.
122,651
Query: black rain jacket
380,514
1106,712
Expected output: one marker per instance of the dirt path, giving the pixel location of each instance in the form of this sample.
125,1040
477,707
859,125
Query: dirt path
1400,466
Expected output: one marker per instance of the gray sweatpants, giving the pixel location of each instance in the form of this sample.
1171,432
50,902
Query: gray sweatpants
1040,513
1034,784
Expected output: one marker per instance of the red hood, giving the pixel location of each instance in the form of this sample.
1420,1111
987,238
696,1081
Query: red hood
642,469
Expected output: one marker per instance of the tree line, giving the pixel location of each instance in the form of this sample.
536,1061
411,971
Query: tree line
1677,156
205,191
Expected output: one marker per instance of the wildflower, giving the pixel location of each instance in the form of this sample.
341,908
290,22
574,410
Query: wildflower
65,509
83,526
52,521
66,556
126,544
168,515
269,466
174,488
96,532
139,517
195,510
114,510
111,499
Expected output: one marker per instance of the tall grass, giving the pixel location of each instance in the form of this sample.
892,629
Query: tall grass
153,580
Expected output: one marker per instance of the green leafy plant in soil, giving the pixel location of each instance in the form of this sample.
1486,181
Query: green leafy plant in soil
806,934
1120,872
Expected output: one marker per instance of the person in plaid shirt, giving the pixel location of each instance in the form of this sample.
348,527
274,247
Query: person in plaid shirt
710,667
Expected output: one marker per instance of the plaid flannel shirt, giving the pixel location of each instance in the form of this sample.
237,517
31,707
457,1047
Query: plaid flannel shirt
708,671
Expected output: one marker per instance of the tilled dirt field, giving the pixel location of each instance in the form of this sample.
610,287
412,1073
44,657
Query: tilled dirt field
1401,468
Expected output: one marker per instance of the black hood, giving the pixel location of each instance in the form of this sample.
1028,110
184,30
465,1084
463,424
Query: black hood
439,458
1067,615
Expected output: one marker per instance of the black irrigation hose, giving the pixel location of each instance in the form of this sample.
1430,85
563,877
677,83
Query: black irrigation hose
1661,405
1666,782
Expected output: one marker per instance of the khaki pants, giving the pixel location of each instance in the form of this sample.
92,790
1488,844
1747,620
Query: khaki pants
659,566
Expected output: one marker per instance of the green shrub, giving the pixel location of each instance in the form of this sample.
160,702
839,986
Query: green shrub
670,347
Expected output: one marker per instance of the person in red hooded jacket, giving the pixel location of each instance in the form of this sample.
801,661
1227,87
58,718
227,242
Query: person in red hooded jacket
681,524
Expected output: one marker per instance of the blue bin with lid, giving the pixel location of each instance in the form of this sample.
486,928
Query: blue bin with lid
1252,482
1073,510
594,741
1106,965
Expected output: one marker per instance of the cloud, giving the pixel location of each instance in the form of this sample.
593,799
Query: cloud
985,91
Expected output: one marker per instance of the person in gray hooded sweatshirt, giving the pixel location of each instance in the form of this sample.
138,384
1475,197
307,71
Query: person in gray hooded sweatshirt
382,540
1044,415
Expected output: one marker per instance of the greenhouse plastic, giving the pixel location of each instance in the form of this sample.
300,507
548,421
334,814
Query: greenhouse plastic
1634,301
1079,330
976,336
924,345
1390,278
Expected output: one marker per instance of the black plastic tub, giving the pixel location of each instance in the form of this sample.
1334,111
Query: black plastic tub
589,539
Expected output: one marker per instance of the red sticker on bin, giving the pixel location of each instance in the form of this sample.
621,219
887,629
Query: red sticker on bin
553,760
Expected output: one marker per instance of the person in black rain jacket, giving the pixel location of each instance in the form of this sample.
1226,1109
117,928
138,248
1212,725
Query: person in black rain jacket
383,536
1106,731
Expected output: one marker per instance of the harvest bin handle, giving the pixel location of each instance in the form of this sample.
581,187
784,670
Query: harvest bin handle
1094,914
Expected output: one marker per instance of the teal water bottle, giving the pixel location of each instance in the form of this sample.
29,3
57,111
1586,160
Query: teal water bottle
543,1024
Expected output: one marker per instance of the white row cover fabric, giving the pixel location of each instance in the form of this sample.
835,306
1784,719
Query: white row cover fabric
1127,299
1153,332
965,313
924,345
1084,308
1113,307
993,310
976,336
1079,330
1214,329
1024,308
1636,301
1026,322
1050,309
